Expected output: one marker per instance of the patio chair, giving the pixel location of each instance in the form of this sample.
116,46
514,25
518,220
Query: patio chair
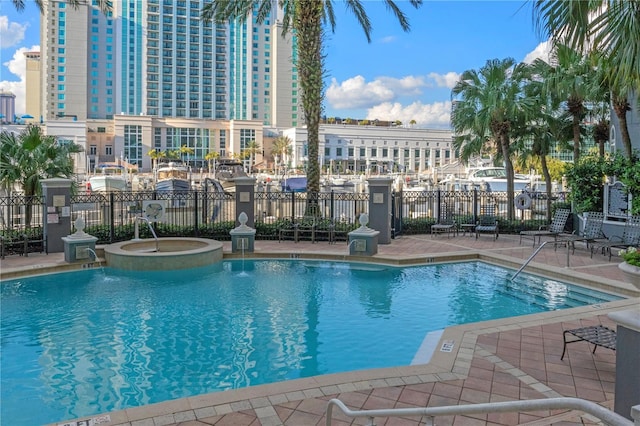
555,228
446,223
630,238
487,222
591,233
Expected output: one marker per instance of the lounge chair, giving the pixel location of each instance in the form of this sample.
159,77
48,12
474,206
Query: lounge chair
555,228
487,222
591,233
446,223
630,238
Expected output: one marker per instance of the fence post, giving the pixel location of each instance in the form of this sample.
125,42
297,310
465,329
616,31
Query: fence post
112,225
475,205
245,195
332,205
57,213
196,230
438,203
380,207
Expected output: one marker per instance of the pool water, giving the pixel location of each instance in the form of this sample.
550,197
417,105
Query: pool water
89,342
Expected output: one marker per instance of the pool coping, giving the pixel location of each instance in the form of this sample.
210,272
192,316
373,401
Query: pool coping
548,271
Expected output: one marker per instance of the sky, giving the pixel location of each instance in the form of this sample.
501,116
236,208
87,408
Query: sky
397,76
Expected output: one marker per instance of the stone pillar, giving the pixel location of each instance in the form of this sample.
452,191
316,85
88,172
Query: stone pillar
79,245
627,389
245,194
380,207
57,212
242,237
364,240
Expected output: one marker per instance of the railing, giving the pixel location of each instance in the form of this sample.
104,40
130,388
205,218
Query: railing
137,231
530,259
212,214
602,413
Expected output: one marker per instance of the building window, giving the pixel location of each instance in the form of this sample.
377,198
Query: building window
93,150
108,150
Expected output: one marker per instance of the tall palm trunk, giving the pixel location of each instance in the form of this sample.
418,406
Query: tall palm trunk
576,109
547,181
309,27
601,135
508,164
621,106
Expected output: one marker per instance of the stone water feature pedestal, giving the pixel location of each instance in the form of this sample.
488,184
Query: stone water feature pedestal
79,246
364,240
242,237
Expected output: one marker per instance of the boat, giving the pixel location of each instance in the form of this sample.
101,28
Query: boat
294,184
172,176
109,177
227,171
494,179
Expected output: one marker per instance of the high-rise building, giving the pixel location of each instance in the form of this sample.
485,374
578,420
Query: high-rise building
80,72
33,104
7,107
152,57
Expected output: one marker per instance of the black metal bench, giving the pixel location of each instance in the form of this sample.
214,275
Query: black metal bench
598,335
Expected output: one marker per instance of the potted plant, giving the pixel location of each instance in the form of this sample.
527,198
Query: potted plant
631,265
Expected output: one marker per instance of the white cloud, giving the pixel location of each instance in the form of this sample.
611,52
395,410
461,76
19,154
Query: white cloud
356,92
542,51
432,115
17,66
11,33
445,80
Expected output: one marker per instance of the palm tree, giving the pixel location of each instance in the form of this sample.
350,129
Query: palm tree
619,92
546,126
155,155
304,18
104,5
30,157
186,150
282,148
251,150
570,78
172,154
211,157
488,106
609,26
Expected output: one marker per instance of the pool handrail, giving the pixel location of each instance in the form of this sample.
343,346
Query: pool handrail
136,231
605,415
530,259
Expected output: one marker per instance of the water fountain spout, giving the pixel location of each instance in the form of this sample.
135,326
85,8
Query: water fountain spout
352,242
92,252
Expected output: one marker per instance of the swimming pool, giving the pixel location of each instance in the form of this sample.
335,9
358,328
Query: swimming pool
93,341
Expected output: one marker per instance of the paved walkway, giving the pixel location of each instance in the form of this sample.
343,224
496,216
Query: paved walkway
502,360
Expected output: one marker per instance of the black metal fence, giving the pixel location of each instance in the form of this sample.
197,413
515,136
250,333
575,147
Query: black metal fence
111,216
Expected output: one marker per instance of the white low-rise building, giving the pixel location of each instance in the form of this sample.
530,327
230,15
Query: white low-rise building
369,148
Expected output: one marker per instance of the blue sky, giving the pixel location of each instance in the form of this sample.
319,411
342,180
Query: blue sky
398,76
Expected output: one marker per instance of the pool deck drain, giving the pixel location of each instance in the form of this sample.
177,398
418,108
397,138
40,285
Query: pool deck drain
500,360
